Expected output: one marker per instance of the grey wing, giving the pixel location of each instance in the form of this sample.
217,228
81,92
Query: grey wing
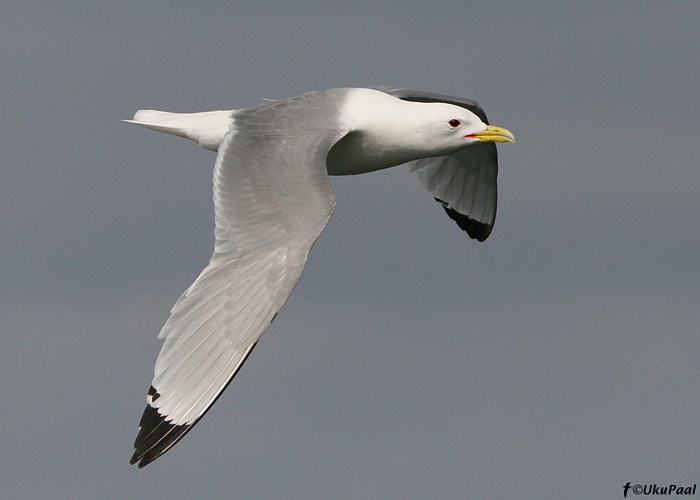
272,199
465,182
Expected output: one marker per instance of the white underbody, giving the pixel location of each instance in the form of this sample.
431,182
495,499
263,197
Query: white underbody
375,139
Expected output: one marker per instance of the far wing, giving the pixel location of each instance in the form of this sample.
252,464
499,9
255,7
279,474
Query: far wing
464,183
272,200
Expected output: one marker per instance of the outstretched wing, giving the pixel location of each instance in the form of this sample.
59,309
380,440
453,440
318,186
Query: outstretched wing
272,199
464,183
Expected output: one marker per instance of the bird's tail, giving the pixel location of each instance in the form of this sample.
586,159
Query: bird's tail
206,128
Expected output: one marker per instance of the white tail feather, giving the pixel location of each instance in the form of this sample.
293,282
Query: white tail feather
207,128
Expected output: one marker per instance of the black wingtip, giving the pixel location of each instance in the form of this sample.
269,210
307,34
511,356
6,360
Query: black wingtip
477,230
156,436
474,229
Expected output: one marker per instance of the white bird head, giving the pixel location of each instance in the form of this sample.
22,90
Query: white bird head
445,128
388,131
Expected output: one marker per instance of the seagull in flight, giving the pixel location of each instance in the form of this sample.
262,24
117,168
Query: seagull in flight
272,199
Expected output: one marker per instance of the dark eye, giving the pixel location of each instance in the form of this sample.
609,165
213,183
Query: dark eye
454,123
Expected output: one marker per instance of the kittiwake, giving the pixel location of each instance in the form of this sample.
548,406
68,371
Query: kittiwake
272,199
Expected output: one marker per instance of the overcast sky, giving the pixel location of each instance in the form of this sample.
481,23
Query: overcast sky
559,359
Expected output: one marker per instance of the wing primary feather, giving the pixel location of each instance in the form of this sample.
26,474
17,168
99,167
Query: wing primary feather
474,229
157,435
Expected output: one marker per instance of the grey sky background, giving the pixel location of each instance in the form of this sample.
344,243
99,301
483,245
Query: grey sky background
559,359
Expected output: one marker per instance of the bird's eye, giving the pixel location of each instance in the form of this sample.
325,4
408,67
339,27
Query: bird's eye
454,123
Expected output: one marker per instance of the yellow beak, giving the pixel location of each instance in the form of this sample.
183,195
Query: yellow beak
494,134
